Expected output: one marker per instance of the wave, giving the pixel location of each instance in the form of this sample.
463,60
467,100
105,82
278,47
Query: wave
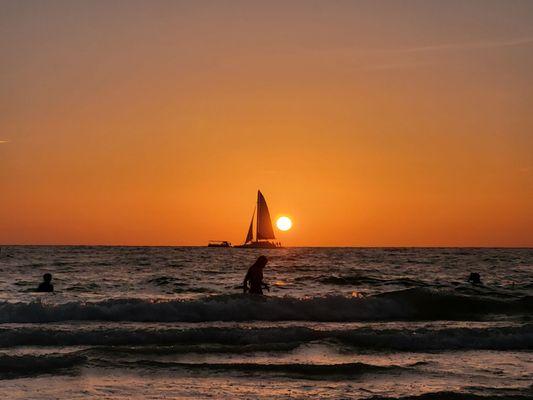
342,280
457,396
36,336
409,304
210,348
15,366
243,340
12,366
507,338
304,369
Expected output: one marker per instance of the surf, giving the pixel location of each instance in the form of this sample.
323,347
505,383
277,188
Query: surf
410,304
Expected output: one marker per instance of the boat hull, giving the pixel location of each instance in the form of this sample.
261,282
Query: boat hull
221,243
259,245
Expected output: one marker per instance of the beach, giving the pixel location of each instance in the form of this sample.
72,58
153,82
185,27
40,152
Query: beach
172,322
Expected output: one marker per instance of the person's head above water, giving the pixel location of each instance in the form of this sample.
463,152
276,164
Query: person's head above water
46,284
474,278
261,262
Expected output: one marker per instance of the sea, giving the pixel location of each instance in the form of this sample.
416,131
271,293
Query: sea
337,323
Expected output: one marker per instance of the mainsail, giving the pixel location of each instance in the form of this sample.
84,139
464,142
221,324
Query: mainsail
264,224
263,228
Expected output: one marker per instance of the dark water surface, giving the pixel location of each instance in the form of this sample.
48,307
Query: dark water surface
171,322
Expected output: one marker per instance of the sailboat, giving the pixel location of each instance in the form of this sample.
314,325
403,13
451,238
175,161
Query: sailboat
264,234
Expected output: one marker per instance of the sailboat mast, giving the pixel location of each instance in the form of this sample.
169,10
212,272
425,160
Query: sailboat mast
257,219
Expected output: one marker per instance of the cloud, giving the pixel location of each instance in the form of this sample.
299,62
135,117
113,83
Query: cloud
4,141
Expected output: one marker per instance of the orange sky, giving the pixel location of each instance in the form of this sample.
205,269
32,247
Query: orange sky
369,123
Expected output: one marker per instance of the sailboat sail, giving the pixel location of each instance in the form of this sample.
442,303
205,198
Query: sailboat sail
264,224
250,234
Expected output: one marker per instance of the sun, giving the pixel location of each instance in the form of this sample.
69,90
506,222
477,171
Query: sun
284,223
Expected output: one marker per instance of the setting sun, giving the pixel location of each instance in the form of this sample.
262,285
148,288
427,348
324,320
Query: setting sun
284,223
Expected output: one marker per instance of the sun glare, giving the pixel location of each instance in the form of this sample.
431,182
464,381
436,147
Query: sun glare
284,223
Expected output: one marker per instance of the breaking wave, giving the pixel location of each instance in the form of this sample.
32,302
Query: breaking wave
367,280
306,370
12,366
238,340
457,396
409,304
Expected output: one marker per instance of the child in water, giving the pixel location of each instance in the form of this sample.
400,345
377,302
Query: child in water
255,277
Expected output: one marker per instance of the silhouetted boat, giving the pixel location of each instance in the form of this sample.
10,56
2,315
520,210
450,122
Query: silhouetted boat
218,243
264,234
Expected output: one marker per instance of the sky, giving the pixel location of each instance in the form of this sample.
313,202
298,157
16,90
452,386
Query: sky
390,123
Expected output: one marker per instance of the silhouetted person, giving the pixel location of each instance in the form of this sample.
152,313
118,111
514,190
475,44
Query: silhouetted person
474,278
255,277
46,285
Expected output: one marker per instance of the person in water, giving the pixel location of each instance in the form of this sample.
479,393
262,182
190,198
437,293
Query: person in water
46,284
254,276
474,278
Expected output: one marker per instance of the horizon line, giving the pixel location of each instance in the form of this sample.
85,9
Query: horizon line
287,247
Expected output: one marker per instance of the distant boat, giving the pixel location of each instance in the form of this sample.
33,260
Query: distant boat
218,243
264,234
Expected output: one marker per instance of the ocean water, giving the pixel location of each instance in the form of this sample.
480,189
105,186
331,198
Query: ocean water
171,322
